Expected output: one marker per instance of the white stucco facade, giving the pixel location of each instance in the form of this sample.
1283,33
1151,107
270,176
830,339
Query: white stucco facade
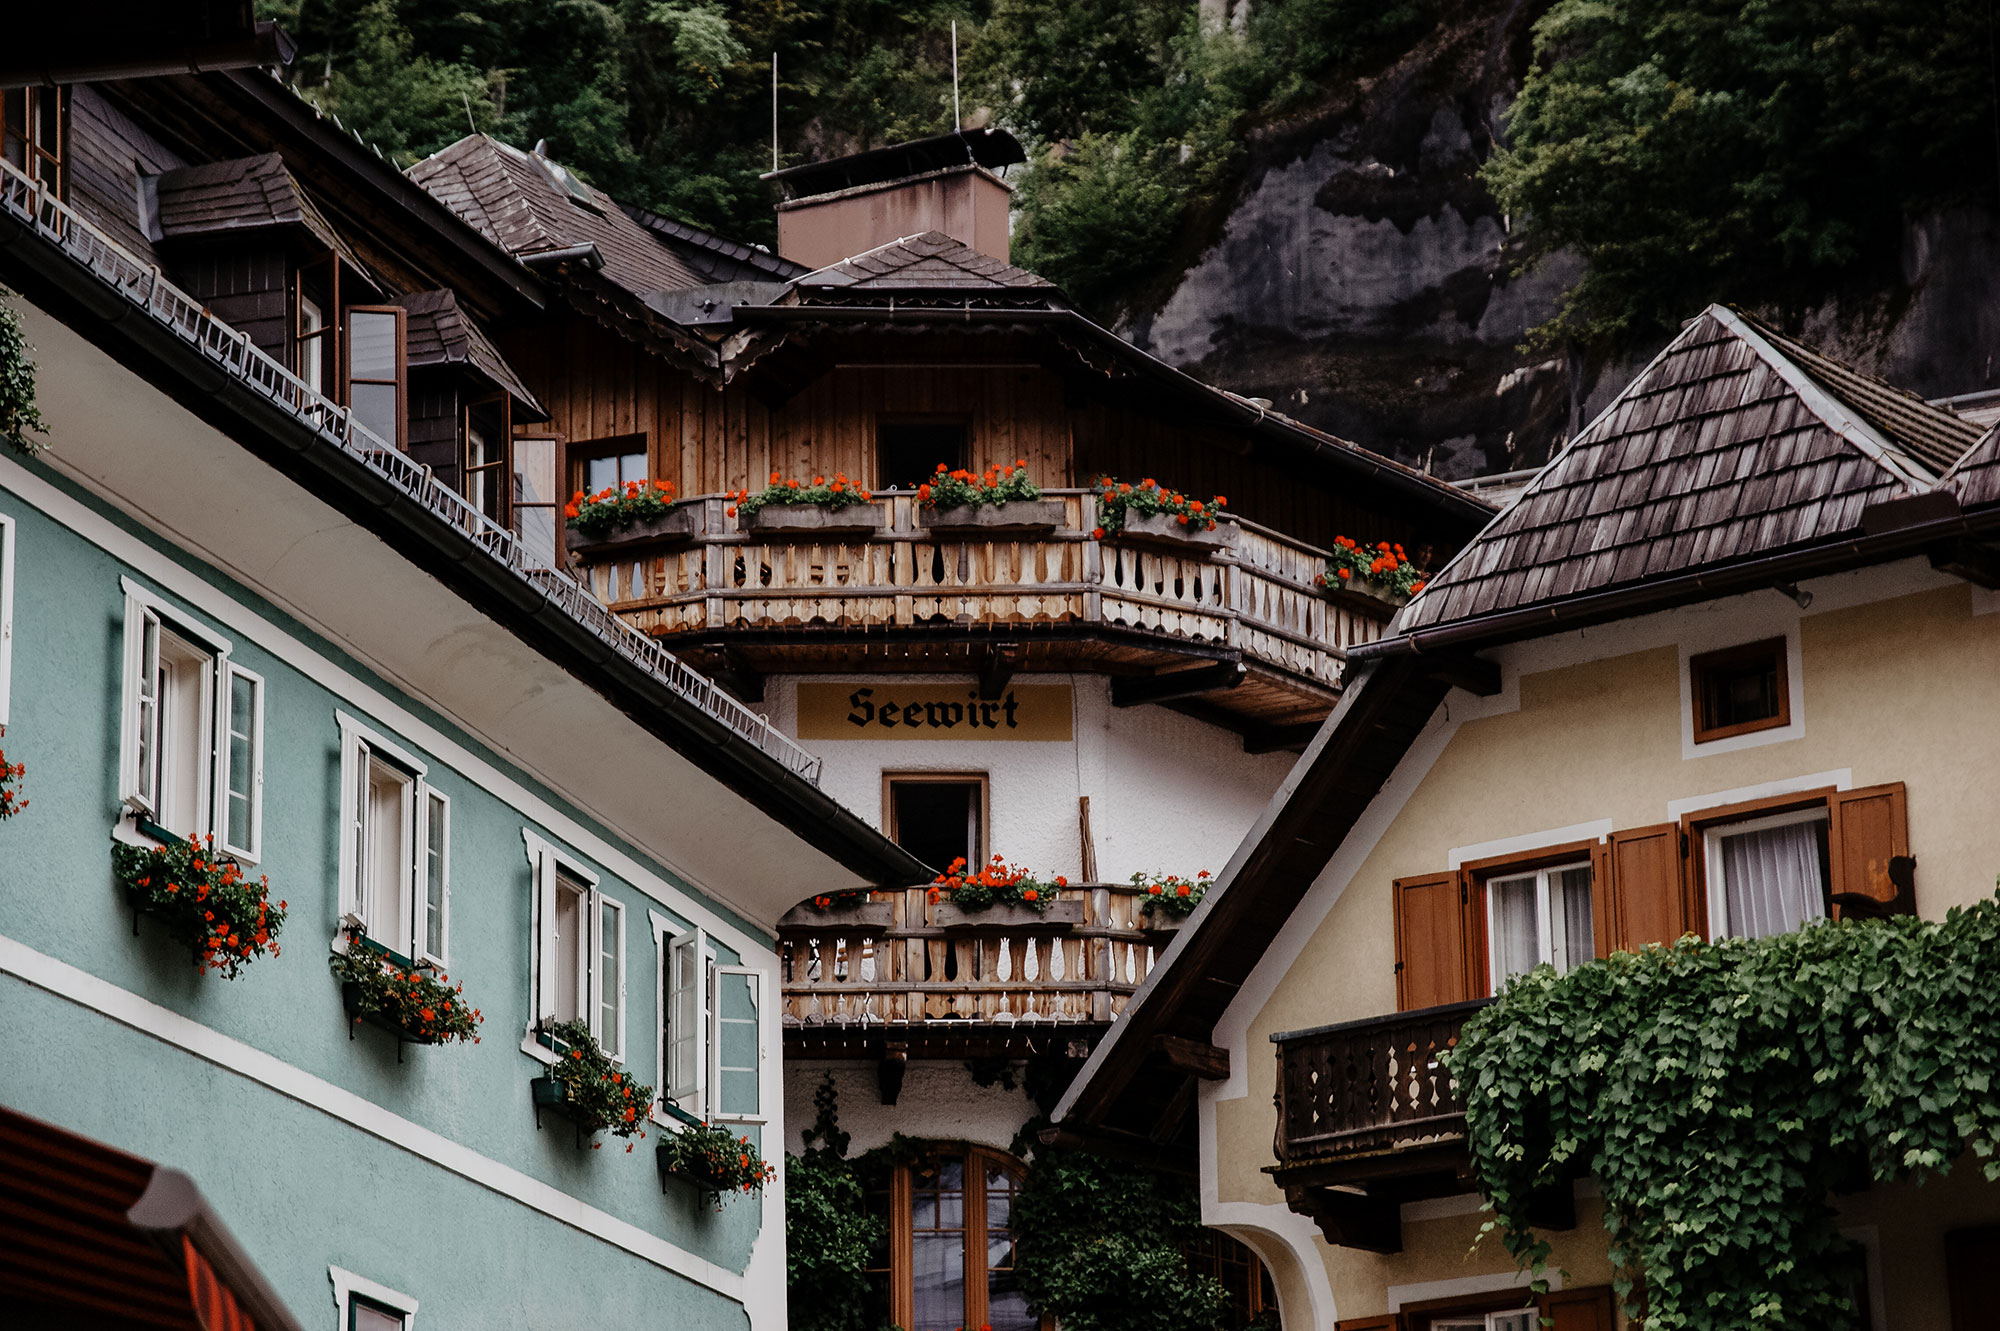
939,1102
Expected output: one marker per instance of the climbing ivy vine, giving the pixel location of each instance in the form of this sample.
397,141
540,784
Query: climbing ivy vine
19,419
1721,1093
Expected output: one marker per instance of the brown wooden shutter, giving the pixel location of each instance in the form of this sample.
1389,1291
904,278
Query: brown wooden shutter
1581,1310
1430,942
1866,829
1386,1322
1649,904
1603,908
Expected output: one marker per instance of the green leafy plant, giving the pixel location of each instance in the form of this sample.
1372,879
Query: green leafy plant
1721,1092
832,495
709,1157
970,489
615,506
428,1006
831,1232
995,884
204,901
1382,566
1103,1247
11,801
602,1096
1170,894
19,417
1116,499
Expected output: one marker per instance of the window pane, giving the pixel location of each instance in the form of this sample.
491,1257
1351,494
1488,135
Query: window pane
568,944
1774,878
1572,888
938,1244
1515,937
14,112
609,917
371,347
242,761
736,1055
614,469
1006,1305
534,499
374,406
368,1317
434,853
937,821
388,841
185,745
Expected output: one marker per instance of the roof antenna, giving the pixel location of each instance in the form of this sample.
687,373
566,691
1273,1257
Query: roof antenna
774,110
957,120
470,122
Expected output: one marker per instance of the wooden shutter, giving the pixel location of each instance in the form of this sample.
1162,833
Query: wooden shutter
1972,1276
1587,1309
1648,901
1431,966
1866,829
1386,1322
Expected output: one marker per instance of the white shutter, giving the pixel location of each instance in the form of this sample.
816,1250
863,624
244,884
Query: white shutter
730,1082
433,876
240,761
711,1041
354,829
545,935
6,612
686,1022
138,743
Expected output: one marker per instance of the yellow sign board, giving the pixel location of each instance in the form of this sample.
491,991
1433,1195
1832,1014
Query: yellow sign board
887,710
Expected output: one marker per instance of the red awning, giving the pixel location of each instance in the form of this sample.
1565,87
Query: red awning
99,1237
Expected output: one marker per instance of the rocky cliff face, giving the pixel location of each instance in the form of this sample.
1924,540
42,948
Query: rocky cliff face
1362,279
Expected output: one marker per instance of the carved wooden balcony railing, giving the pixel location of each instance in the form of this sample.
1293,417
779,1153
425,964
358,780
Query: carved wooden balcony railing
1257,602
1363,1090
905,974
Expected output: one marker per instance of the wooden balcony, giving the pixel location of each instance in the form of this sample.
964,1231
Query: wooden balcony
896,978
910,599
1368,1118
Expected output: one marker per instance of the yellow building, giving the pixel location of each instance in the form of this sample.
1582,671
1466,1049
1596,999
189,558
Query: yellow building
1726,666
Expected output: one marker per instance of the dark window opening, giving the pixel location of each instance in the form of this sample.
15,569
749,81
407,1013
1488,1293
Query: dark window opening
488,459
376,370
31,134
315,348
909,452
1740,690
597,463
939,820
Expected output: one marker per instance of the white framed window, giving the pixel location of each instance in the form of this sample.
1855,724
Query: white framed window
736,1008
191,742
6,612
684,1011
395,847
1518,1319
579,951
1767,875
366,1305
1538,915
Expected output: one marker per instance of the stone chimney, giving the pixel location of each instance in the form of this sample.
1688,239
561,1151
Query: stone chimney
837,209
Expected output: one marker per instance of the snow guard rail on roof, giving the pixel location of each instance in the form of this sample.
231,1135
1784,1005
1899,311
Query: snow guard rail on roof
142,285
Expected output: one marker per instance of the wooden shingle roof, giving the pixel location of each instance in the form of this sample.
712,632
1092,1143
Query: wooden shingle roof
241,194
438,332
927,262
1975,478
1733,443
511,198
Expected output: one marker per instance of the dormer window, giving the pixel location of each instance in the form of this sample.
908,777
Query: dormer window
376,370
31,134
488,467
315,298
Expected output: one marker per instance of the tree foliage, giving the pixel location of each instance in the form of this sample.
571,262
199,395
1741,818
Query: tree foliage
832,1233
20,419
1102,1246
1720,1093
1694,150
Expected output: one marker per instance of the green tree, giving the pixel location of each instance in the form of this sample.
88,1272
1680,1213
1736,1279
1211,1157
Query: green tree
1697,150
406,104
833,1232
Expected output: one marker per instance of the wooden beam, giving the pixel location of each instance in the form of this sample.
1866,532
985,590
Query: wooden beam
1977,564
1139,690
1474,674
1276,739
735,674
1194,1057
889,1073
1173,1114
1350,1219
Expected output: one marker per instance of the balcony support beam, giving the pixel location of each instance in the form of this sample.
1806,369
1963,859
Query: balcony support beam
889,1073
1350,1219
997,663
1193,1057
1176,684
1475,674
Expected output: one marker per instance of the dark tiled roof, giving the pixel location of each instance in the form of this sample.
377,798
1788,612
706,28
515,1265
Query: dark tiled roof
1976,477
1936,437
241,194
1725,447
440,333
716,258
514,201
930,262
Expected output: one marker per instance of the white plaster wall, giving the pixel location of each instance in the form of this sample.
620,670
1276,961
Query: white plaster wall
939,1102
1166,792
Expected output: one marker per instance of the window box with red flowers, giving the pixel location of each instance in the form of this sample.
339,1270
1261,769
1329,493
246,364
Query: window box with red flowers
587,1088
1149,513
837,912
1367,577
800,511
1001,501
711,1161
1000,898
203,899
11,801
1166,900
388,992
618,517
